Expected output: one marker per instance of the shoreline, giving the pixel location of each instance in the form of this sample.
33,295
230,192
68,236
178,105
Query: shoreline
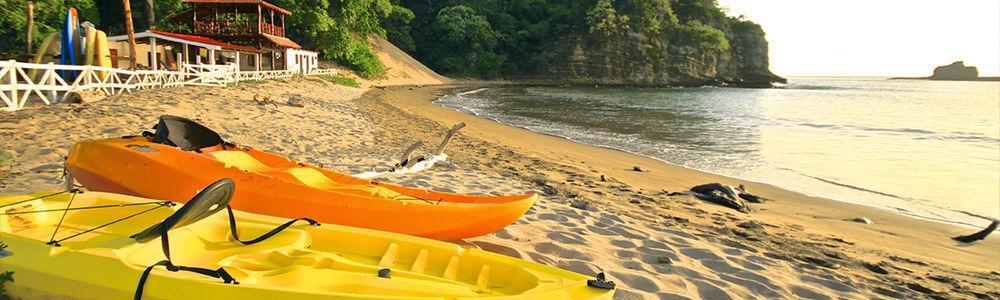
811,218
473,88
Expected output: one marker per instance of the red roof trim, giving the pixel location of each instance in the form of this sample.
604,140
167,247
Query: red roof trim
281,41
205,40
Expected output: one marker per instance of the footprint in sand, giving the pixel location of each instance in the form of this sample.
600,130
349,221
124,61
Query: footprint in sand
541,258
566,238
653,256
636,281
497,248
553,217
654,244
699,254
601,231
623,244
709,291
579,266
561,252
626,233
676,233
831,284
569,224
807,293
503,234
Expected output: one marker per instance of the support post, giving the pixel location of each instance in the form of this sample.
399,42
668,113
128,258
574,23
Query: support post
259,13
257,62
154,61
28,29
237,62
52,81
131,33
13,84
185,47
211,56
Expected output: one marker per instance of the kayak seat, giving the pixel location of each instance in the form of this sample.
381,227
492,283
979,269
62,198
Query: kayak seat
240,160
246,162
305,175
312,177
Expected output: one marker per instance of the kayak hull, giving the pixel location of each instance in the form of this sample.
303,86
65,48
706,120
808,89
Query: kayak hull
276,186
301,262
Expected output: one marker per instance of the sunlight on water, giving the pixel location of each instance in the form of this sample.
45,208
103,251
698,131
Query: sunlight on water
925,148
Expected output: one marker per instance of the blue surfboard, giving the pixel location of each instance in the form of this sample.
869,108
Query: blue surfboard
70,43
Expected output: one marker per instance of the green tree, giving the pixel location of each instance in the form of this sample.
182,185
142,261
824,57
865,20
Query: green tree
49,18
700,36
604,18
466,37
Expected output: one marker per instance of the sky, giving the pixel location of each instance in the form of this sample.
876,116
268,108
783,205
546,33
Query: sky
875,37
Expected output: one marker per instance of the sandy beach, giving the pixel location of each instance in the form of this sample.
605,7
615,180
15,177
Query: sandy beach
653,245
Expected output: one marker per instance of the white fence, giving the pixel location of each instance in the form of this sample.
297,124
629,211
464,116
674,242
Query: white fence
48,82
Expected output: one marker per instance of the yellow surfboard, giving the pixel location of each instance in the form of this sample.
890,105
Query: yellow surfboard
102,53
50,47
88,53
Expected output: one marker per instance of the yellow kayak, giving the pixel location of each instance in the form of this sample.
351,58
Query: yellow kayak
93,245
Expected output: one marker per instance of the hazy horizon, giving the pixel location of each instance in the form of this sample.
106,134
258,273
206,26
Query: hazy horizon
875,38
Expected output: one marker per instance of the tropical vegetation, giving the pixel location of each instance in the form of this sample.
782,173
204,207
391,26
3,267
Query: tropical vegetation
466,38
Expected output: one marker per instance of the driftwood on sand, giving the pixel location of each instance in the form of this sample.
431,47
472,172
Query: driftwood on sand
412,164
978,235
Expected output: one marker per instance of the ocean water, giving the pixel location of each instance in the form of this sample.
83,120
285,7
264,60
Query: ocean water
929,149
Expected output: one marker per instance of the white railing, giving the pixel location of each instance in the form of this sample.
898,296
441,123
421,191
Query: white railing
324,72
52,83
209,75
265,75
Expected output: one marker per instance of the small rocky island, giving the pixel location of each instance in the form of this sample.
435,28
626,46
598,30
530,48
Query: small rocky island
956,71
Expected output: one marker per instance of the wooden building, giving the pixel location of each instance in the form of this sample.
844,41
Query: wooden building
249,33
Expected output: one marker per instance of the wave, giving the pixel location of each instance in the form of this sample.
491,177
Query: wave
924,214
917,133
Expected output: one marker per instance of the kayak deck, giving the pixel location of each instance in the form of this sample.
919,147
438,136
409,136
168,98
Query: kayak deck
274,185
302,262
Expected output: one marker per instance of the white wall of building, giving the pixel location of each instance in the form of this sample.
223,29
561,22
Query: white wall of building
301,60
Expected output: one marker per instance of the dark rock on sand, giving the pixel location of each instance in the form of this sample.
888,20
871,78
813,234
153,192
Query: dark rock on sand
296,102
579,204
875,268
722,194
943,279
920,288
549,191
862,220
822,262
750,225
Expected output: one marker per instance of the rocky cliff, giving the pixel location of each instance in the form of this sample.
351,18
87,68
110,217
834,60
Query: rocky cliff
955,71
632,58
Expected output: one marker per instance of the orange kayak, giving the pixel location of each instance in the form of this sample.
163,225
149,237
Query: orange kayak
271,184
